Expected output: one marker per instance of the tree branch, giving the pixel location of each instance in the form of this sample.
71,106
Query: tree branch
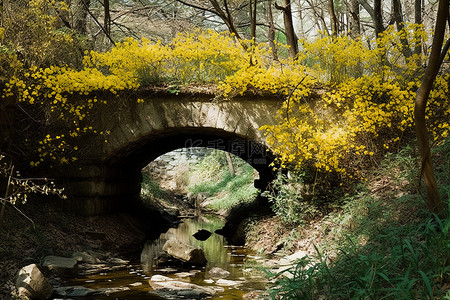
98,24
279,7
198,7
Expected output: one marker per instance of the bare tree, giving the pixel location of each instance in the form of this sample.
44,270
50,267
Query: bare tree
378,17
318,16
433,199
376,13
222,11
230,164
333,18
107,18
355,24
418,20
398,18
271,30
291,37
252,12
2,8
80,14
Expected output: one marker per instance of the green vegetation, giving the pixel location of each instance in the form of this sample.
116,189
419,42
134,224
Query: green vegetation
352,100
150,188
212,178
295,200
381,244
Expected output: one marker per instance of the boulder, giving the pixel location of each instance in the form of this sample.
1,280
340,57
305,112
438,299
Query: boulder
217,272
184,274
168,287
32,283
135,284
118,261
286,263
62,266
112,290
226,282
290,260
297,255
184,252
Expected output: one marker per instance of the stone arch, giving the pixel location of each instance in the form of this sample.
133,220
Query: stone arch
128,162
141,153
111,174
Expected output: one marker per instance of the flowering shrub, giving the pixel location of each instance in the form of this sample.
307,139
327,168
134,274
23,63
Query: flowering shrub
347,102
367,107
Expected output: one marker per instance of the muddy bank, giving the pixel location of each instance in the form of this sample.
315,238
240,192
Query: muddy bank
55,231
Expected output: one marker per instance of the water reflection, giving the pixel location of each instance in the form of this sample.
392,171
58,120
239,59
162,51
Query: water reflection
135,281
216,251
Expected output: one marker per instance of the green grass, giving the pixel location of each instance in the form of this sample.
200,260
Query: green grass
211,177
228,191
214,181
406,262
382,244
150,188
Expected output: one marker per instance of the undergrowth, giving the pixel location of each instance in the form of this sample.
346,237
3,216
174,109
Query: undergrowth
408,262
212,178
150,188
382,244
296,201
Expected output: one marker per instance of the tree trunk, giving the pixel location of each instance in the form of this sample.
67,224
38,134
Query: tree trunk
418,20
226,17
319,18
291,38
107,19
378,17
80,16
355,24
333,19
418,11
252,12
271,31
398,18
1,12
230,164
300,20
433,200
368,8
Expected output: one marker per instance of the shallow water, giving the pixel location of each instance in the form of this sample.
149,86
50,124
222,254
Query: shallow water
231,258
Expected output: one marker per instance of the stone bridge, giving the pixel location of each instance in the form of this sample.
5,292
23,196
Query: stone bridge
109,175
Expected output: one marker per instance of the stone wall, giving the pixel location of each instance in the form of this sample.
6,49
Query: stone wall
139,133
166,167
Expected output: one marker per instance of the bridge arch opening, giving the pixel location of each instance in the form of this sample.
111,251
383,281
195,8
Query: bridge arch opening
129,161
199,179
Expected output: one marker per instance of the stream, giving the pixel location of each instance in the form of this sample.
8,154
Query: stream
133,283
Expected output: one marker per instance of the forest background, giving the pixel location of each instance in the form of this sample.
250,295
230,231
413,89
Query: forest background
349,72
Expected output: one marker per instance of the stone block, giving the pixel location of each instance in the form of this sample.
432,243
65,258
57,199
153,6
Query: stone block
62,266
32,283
187,253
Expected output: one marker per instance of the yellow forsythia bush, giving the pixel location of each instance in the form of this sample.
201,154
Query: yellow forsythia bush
362,113
346,103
